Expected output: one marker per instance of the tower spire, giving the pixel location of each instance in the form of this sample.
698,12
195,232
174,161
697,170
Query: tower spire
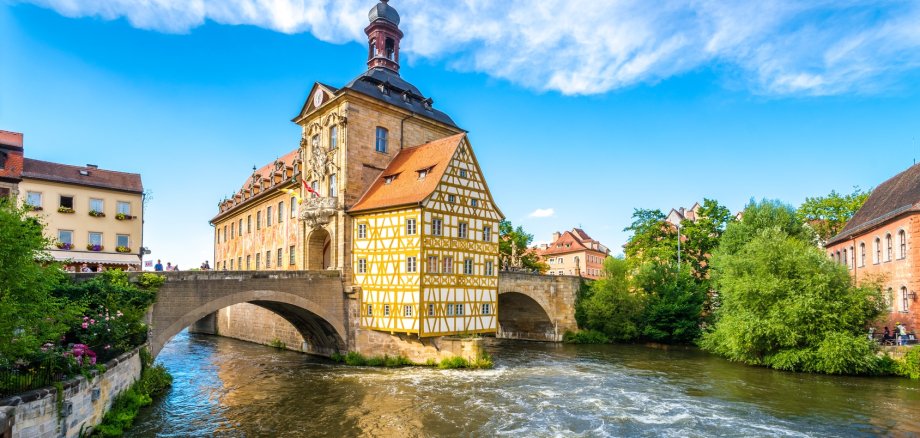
383,37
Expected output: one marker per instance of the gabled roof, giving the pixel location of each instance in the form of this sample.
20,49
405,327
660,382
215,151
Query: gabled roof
404,186
284,166
566,243
85,176
890,199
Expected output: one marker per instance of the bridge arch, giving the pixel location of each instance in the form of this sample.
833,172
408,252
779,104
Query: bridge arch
522,316
536,307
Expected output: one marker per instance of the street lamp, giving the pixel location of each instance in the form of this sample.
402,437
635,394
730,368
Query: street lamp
678,246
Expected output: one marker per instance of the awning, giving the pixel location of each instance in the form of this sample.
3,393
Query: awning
106,258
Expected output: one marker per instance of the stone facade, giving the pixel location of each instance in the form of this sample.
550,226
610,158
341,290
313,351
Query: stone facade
35,414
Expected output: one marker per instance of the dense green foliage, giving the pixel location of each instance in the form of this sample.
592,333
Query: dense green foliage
784,304
154,380
585,337
354,358
610,307
30,314
514,249
909,365
673,304
827,215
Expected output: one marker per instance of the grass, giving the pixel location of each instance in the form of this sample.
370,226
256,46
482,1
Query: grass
484,360
585,337
278,343
354,358
153,382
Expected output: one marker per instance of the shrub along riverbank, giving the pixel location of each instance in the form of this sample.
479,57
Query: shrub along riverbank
758,290
354,358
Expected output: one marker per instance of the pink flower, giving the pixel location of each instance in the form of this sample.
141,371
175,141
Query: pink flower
92,321
106,318
84,325
86,318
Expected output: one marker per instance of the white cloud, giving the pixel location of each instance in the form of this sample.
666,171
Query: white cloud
780,47
542,212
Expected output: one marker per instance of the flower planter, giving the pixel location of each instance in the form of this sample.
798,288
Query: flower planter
122,249
95,213
66,210
94,247
64,246
124,217
34,208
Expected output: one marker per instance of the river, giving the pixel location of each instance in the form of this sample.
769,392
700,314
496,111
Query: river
226,387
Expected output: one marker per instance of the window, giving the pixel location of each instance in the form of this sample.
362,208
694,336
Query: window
560,260
362,266
489,268
293,207
268,216
315,186
889,299
65,236
239,263
411,264
258,260
474,202
487,234
451,198
407,311
95,238
249,224
431,310
332,188
422,173
486,309
370,310
432,265
878,251
381,144
123,207
846,260
862,254
123,240
268,259
448,265
389,179
905,300
225,234
462,173
258,220
333,137
232,231
280,259
888,247
34,199
293,255
459,309
241,227
450,310
386,310
231,264
96,205
468,266
410,226
362,231
461,230
436,227
902,244
281,212
67,202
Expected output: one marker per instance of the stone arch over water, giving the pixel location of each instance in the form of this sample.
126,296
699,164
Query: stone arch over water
521,316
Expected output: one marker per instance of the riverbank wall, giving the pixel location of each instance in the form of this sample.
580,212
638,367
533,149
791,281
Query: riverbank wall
46,413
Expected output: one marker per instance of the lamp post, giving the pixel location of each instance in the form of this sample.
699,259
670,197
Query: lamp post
678,246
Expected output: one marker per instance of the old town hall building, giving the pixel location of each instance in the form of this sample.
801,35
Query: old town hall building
385,188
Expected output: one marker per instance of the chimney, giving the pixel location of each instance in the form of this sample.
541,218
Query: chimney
92,166
555,236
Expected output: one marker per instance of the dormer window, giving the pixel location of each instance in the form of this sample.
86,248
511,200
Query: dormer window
84,172
388,179
422,173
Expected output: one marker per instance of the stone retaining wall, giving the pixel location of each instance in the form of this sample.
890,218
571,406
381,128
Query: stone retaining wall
35,414
252,323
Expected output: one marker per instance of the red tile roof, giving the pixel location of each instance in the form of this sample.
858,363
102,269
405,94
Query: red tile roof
286,164
64,173
899,194
566,243
406,188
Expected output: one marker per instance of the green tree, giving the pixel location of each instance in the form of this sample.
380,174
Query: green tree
29,313
653,239
829,214
514,247
674,303
610,306
784,304
702,236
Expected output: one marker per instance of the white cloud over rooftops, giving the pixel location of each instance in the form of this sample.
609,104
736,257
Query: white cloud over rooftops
780,47
542,212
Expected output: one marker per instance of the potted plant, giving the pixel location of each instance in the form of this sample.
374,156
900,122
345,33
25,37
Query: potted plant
122,249
64,245
96,213
92,247
35,208
123,217
66,210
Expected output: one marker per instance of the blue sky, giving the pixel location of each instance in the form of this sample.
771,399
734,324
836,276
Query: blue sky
588,109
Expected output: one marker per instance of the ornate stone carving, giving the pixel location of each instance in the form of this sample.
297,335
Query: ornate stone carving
317,212
320,163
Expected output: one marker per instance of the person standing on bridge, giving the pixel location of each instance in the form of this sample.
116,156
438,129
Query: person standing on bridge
159,266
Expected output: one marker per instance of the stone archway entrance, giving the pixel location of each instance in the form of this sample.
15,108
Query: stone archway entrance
319,250
521,317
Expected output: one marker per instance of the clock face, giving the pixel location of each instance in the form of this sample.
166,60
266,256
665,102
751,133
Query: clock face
318,98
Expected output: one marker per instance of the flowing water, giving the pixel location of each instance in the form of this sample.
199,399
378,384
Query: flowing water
226,387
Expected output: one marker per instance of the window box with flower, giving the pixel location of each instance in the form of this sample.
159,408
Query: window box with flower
92,247
66,210
122,249
123,217
96,213
64,245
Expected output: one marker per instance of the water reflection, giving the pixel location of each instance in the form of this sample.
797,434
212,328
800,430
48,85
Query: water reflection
232,388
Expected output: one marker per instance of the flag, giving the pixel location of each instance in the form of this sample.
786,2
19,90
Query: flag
308,188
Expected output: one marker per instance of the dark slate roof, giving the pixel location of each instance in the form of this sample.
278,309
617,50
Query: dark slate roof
63,173
384,11
890,199
386,85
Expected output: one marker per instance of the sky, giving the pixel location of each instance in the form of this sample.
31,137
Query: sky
579,111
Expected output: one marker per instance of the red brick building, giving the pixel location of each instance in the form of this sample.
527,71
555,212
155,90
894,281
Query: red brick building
878,240
574,253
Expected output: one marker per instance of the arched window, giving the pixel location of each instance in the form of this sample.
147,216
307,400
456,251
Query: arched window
902,243
390,49
372,48
889,299
905,300
878,251
888,247
846,259
862,254
839,260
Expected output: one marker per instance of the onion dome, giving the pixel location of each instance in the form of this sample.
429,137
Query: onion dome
383,11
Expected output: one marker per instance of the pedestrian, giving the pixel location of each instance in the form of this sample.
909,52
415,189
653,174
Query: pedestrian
159,266
169,266
887,335
902,334
100,268
85,268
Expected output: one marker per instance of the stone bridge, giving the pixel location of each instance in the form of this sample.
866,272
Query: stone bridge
318,305
536,307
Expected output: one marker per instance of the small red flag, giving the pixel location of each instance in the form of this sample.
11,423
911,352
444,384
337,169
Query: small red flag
308,188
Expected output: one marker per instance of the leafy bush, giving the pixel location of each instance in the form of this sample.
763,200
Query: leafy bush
909,365
610,307
484,360
154,381
585,337
674,303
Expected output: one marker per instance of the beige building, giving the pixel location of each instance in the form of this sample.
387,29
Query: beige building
94,216
574,253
